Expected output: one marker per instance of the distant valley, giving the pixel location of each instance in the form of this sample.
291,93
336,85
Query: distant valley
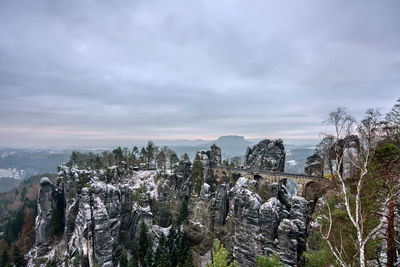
24,163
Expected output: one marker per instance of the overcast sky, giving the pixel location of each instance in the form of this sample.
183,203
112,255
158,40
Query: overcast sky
80,72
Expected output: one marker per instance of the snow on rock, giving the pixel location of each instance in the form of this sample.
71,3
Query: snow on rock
273,206
112,204
157,231
145,179
56,250
246,206
243,182
205,192
45,180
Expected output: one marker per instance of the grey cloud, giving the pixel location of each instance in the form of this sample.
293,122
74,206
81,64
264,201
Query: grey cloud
191,69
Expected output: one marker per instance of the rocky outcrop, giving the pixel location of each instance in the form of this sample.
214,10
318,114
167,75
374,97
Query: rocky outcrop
270,227
287,235
215,156
249,226
79,244
210,158
266,155
220,206
51,215
105,222
45,208
248,241
177,180
314,165
270,216
104,209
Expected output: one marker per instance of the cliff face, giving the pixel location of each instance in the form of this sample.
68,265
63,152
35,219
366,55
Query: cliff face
104,208
45,207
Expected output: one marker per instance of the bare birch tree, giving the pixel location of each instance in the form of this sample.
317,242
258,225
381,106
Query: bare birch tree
358,157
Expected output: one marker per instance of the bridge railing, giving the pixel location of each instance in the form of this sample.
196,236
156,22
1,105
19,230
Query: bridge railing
255,172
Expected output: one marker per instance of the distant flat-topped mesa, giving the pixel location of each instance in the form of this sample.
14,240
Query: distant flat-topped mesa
267,155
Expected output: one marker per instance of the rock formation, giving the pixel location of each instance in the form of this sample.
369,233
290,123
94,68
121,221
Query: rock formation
45,208
215,156
211,158
267,155
268,226
104,208
314,165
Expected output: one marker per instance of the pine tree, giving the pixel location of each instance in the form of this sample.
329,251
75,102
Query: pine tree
173,160
144,242
18,259
149,153
13,227
73,159
317,257
183,248
134,261
77,261
161,255
119,255
188,260
387,159
54,262
143,156
266,261
4,259
118,155
171,245
220,256
159,250
183,213
161,161
97,163
148,259
197,174
123,259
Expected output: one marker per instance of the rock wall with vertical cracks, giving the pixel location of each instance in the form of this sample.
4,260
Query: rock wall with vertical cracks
104,208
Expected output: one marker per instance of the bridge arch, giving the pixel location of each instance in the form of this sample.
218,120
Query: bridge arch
290,186
305,185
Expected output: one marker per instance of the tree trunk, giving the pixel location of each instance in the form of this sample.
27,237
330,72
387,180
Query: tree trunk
362,256
391,248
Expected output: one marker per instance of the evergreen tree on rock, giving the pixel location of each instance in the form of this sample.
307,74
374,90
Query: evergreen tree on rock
144,241
197,174
18,259
4,259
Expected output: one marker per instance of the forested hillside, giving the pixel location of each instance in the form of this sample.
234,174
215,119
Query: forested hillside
18,209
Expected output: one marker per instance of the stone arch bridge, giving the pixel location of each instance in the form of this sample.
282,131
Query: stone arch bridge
307,186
